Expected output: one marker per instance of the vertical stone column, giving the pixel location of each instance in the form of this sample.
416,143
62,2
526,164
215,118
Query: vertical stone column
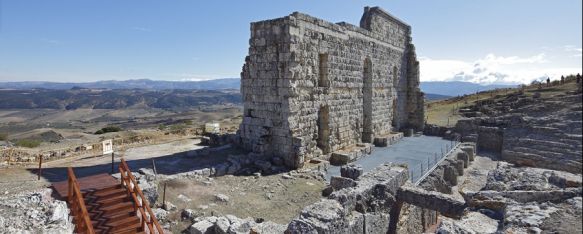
415,98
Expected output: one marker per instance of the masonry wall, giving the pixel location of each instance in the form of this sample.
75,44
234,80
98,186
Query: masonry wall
311,87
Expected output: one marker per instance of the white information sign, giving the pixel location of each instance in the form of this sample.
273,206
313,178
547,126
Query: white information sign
107,146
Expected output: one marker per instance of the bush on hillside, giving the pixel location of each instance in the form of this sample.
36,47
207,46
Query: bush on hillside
108,129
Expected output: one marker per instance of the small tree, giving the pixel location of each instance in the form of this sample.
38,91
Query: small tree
108,129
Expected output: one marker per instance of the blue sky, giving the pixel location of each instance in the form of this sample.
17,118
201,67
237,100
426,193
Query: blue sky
497,41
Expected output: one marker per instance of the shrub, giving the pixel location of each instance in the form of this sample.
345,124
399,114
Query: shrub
28,143
161,127
178,128
3,136
108,129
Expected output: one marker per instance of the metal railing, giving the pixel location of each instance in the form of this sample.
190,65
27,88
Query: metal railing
141,207
437,159
77,205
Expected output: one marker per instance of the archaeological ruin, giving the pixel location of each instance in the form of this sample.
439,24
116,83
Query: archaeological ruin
312,87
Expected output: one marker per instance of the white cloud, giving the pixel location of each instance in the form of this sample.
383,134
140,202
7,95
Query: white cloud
493,69
572,49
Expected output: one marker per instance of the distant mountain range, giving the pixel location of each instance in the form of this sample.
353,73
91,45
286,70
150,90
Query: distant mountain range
457,88
78,98
433,90
433,97
224,83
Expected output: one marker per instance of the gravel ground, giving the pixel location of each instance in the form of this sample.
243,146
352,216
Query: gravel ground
271,198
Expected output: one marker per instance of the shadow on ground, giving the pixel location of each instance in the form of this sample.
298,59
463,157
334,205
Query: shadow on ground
167,165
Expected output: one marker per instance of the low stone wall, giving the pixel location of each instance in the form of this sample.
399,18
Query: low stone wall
364,208
346,156
415,219
388,140
434,130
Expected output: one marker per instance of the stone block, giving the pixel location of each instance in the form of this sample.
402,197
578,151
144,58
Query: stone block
202,227
463,156
341,158
376,222
470,151
338,182
325,216
445,204
450,175
351,171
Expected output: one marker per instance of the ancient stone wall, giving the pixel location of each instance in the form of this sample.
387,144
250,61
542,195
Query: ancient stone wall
312,87
363,208
444,177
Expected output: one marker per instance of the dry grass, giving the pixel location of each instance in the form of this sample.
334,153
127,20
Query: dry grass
445,112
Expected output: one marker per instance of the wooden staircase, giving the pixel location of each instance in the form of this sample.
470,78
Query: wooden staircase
118,208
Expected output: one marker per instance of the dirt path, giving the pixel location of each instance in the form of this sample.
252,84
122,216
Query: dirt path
136,153
19,179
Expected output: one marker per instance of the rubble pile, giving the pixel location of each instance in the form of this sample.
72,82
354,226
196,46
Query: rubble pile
34,212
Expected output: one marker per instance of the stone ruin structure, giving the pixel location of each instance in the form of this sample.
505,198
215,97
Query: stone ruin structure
311,87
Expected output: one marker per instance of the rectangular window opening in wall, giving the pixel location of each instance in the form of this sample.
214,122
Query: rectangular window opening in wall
323,71
248,113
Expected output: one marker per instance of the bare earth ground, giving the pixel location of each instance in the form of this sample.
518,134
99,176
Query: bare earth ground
19,179
272,198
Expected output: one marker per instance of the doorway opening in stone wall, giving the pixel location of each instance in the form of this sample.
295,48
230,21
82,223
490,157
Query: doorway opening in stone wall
395,94
367,101
324,129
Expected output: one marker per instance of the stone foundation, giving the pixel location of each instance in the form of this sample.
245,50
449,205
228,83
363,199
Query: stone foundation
362,208
390,139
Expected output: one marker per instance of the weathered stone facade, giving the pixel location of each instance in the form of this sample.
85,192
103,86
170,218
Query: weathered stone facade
311,87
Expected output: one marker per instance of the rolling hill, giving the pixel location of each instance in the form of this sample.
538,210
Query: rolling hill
78,98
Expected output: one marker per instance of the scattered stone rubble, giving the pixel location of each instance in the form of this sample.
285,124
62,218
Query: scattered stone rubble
231,224
34,212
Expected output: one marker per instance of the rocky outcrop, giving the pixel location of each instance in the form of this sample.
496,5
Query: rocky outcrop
472,223
34,212
232,225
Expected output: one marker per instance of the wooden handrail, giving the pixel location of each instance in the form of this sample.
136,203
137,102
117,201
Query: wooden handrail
147,217
77,205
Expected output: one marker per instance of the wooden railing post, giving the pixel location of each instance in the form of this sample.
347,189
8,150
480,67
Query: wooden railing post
77,205
141,205
40,165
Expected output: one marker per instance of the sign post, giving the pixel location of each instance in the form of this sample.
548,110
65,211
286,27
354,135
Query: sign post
108,149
